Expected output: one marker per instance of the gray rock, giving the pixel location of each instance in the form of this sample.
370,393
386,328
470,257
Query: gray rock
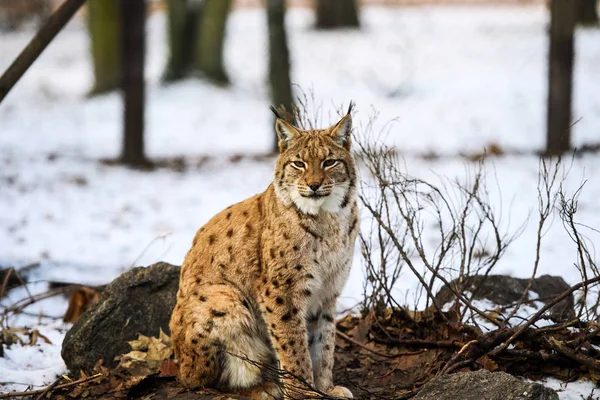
139,301
505,290
483,385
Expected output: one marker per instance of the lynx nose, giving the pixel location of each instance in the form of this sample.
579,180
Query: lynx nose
314,186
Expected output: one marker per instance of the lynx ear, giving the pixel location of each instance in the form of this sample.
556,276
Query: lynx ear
285,133
342,131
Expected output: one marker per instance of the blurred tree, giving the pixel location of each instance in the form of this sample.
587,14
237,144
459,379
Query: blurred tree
337,14
104,25
588,13
133,14
279,62
209,46
563,15
184,19
14,13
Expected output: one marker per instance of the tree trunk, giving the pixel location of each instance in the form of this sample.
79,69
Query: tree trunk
337,14
104,25
133,13
184,19
588,14
209,52
279,62
562,26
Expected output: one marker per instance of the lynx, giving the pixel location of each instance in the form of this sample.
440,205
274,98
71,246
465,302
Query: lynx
259,286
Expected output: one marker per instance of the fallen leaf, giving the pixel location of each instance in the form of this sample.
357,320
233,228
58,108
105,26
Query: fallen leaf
148,354
157,352
80,300
119,387
141,343
168,368
132,357
76,392
362,331
487,363
165,338
34,335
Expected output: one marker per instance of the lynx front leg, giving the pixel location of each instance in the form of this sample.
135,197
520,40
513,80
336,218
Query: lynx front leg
322,346
287,330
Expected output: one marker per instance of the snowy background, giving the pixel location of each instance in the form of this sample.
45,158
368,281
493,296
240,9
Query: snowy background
452,79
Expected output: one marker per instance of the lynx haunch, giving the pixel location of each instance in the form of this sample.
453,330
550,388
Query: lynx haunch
259,286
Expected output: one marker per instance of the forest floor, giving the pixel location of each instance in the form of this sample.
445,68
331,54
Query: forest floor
389,356
445,83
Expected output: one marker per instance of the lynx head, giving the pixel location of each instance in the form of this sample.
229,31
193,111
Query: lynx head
315,169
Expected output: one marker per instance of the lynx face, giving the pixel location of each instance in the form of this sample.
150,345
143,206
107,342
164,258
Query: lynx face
315,169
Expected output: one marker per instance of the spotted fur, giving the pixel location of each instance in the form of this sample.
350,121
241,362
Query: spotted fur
262,278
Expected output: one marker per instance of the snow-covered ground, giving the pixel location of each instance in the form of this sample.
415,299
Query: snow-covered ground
453,79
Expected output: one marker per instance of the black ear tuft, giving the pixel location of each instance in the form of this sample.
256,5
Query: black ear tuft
350,107
274,110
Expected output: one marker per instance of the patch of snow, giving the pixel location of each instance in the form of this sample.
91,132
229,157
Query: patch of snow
37,365
579,390
525,311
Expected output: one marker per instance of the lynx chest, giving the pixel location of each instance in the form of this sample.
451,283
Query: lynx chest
330,259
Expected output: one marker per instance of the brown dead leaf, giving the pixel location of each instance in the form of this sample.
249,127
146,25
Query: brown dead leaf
361,333
80,300
118,384
77,391
99,368
346,323
96,391
168,368
34,335
119,387
487,363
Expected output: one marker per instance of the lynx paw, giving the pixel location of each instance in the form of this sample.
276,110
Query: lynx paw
341,392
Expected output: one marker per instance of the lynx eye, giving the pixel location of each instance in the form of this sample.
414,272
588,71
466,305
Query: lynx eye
298,164
329,163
